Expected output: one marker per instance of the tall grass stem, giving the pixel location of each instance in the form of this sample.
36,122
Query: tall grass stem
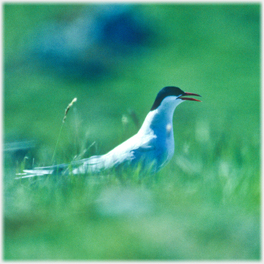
63,121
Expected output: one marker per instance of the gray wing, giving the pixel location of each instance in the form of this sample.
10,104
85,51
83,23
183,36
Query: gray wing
130,153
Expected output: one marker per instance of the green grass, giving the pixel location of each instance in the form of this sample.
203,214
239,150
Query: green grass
204,205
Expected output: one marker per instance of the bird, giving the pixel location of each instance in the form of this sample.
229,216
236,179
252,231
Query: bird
150,149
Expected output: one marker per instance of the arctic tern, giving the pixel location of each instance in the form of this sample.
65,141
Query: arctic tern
150,149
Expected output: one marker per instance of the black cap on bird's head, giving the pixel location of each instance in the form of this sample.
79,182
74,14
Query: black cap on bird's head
172,91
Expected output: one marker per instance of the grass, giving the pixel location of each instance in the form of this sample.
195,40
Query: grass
204,205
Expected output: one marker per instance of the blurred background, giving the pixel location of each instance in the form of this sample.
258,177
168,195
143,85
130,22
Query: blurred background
115,58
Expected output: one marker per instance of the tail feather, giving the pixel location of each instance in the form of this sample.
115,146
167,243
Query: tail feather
93,164
32,173
42,171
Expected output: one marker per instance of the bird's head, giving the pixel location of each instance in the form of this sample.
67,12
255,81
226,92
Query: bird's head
172,95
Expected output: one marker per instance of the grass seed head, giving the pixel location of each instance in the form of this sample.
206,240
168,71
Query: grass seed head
68,108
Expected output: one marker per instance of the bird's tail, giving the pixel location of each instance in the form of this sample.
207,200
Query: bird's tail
93,164
42,171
